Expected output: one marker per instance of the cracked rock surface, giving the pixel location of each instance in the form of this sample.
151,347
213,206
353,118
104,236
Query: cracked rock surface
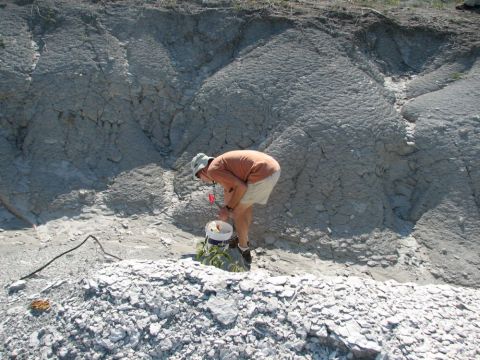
373,116
184,310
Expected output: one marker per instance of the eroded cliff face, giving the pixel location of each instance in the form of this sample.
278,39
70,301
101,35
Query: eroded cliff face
374,120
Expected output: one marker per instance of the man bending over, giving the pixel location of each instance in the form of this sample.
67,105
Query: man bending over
247,177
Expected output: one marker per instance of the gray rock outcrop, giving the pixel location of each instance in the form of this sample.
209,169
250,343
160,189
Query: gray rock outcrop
105,103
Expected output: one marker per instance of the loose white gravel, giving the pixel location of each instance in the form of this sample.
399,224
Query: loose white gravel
184,310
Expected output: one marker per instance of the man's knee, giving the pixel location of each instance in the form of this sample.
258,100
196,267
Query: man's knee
241,212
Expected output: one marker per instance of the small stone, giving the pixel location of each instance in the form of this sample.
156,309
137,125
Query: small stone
287,293
62,352
166,240
17,286
154,329
278,280
15,310
372,263
246,285
408,340
223,310
251,309
166,344
34,341
319,331
394,320
274,257
249,351
53,286
107,344
90,286
436,272
116,335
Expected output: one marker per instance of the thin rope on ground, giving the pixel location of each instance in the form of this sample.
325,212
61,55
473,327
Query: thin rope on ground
66,252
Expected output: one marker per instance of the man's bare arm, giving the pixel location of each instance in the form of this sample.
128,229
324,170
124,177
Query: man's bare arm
234,186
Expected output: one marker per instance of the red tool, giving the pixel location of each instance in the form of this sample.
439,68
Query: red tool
211,198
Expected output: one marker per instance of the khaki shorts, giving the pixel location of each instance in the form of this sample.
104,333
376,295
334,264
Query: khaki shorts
259,192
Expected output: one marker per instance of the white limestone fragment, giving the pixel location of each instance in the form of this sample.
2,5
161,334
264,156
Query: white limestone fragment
154,329
17,286
225,311
166,344
246,285
90,286
34,341
117,334
278,280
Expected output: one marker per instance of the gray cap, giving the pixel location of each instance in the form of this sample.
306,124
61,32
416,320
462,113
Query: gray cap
199,162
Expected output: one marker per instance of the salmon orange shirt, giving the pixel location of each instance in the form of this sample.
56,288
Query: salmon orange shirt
249,166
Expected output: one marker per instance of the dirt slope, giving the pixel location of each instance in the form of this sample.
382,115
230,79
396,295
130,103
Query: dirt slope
374,117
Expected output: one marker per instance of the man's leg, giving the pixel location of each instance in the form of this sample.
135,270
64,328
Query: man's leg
242,217
250,216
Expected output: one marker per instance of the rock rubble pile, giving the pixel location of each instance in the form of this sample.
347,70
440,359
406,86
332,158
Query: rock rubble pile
184,310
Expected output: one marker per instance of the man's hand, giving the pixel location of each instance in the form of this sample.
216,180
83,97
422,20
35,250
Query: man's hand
224,214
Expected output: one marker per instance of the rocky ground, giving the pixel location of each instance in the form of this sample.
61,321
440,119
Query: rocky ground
156,237
291,304
184,310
